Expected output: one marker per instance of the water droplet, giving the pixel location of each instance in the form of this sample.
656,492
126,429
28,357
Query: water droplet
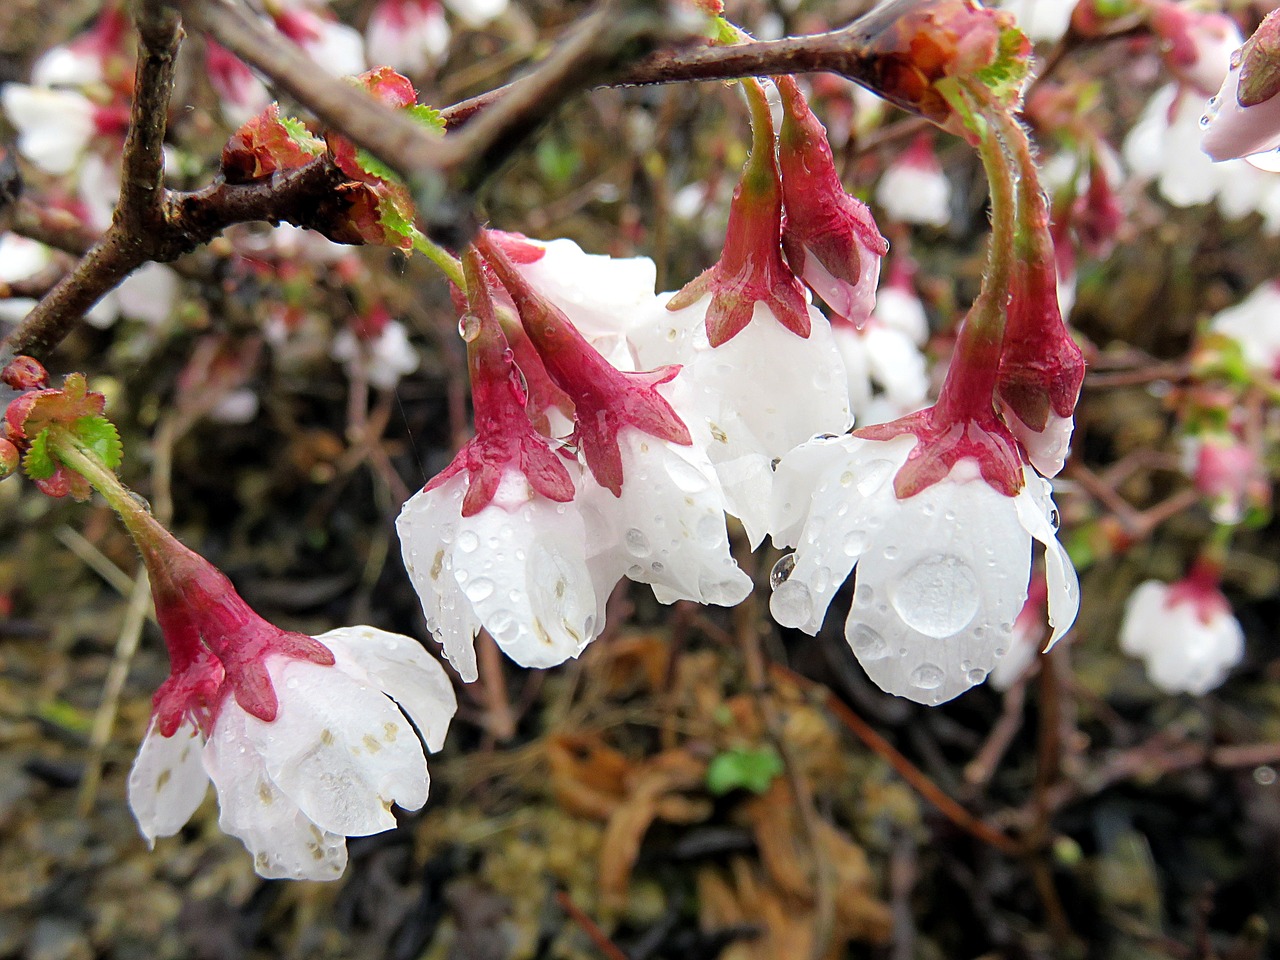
1054,519
877,472
479,589
890,552
866,643
864,594
846,478
292,683
637,543
976,675
657,566
929,509
938,596
711,529
468,541
635,571
821,579
927,676
503,626
949,516
791,603
855,541
468,327
782,570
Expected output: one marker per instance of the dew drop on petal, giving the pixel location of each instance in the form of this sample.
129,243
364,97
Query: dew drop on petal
855,542
637,543
782,570
468,541
866,643
479,589
976,675
927,676
711,529
938,596
874,477
791,603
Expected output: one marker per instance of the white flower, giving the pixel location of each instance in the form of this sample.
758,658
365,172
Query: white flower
886,371
518,568
66,66
940,576
914,189
751,399
667,528
1187,639
1165,145
54,126
1254,323
408,35
330,765
386,357
476,13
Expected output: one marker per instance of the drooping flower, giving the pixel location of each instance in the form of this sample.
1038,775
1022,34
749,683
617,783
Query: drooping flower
1184,632
653,503
497,539
303,738
1228,472
883,362
751,277
379,345
913,188
830,238
1197,44
941,574
409,35
1254,323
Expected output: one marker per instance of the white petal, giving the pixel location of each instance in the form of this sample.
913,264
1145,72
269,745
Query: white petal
1035,512
148,293
54,126
282,839
911,194
852,496
1182,653
339,749
427,526
167,781
897,365
938,588
404,671
21,258
521,566
476,13
601,295
758,396
668,527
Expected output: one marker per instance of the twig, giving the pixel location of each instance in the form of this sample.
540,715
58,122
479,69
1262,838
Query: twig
105,717
607,947
746,622
878,745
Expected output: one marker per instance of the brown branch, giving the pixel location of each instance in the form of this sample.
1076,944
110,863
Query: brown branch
921,783
608,949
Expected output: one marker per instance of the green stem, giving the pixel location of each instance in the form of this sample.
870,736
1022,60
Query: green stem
971,378
449,265
68,450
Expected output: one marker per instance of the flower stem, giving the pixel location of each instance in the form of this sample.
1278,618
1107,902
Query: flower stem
971,378
449,265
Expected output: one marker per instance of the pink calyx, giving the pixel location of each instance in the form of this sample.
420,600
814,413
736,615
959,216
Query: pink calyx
1041,367
1201,590
751,269
606,400
830,238
505,438
218,646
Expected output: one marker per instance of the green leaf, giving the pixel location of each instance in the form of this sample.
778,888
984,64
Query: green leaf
427,116
375,167
1005,74
37,463
394,221
743,769
99,435
300,135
